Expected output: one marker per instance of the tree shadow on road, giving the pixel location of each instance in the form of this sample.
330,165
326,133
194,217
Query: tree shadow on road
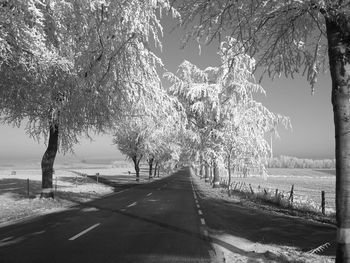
266,227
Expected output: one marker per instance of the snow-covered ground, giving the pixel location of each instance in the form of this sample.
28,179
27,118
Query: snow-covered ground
234,229
20,188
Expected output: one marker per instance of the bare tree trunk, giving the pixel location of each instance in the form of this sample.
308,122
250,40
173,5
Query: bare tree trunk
201,172
137,167
207,179
150,163
155,170
229,175
211,173
216,180
338,34
48,161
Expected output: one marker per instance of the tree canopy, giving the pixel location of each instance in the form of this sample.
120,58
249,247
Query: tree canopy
103,62
286,37
87,62
222,114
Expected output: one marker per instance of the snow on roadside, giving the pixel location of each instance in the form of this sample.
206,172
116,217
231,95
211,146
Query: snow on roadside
248,251
15,204
237,249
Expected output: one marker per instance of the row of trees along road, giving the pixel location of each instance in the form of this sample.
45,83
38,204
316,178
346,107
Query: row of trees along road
69,68
152,132
292,37
226,125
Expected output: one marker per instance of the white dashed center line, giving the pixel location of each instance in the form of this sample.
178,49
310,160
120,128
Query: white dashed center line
199,210
133,204
84,232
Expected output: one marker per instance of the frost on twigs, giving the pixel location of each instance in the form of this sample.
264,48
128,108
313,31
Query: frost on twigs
95,53
285,37
225,123
152,130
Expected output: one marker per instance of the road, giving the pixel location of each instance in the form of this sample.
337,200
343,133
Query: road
156,222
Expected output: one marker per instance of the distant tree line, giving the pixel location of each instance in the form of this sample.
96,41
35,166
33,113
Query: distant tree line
294,162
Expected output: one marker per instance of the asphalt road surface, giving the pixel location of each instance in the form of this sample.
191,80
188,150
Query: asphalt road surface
156,222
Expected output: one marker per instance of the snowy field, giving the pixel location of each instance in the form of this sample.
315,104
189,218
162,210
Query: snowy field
308,184
20,185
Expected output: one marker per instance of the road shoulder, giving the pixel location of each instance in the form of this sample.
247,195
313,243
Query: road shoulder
246,233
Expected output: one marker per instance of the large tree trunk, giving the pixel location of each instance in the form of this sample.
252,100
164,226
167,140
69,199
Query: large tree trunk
150,163
201,172
137,167
216,180
229,175
338,34
207,179
155,170
211,173
48,161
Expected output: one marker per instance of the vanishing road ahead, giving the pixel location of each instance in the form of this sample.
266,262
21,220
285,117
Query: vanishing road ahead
156,222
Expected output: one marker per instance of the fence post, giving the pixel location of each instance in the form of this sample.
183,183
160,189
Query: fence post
323,202
276,194
28,187
97,175
291,196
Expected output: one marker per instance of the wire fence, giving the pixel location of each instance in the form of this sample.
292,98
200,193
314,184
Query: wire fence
297,196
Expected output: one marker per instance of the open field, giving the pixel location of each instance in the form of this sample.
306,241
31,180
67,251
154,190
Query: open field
20,188
308,185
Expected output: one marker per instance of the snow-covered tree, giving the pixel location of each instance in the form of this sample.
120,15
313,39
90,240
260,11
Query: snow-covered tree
23,37
166,142
150,130
293,37
102,62
131,136
229,123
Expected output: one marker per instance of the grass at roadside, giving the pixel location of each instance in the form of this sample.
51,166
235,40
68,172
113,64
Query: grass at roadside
245,232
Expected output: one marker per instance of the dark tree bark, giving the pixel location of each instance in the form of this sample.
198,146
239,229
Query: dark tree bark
216,180
338,34
150,163
211,173
206,171
48,161
201,172
155,170
229,175
137,166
